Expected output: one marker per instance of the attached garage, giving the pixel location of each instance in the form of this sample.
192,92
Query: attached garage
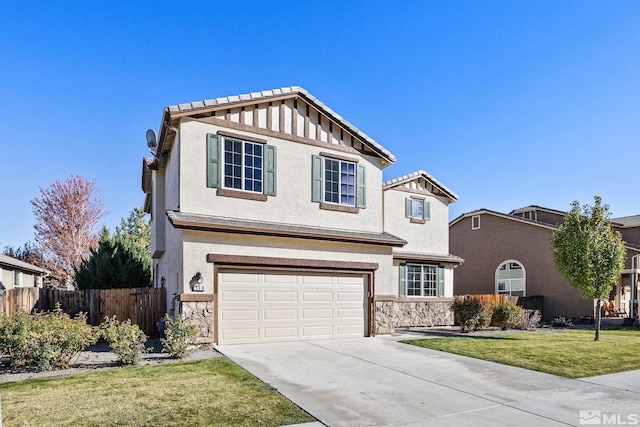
260,306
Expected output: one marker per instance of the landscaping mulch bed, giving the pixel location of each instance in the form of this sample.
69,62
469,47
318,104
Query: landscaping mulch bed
99,356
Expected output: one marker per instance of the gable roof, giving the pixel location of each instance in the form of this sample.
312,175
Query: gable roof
17,264
628,221
537,208
421,181
219,110
520,219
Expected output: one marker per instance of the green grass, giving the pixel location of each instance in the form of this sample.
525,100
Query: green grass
568,353
202,393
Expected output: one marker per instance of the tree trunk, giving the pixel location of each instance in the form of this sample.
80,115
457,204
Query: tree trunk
598,317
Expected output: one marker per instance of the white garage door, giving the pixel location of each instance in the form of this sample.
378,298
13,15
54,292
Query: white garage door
279,306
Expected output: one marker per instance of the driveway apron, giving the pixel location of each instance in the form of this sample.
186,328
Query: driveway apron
381,382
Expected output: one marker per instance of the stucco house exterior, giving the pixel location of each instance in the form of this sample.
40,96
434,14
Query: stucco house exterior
270,221
510,253
15,273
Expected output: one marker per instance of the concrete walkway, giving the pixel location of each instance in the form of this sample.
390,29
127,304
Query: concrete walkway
381,382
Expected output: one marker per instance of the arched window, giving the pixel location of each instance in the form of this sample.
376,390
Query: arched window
511,279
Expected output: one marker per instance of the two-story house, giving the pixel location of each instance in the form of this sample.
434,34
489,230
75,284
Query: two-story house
510,253
271,221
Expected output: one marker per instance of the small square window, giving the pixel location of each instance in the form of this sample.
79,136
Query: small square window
475,222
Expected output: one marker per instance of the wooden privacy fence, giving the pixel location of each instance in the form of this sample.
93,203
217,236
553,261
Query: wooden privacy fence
490,300
143,306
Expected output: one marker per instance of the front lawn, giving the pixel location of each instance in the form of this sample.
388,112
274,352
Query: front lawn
203,393
568,353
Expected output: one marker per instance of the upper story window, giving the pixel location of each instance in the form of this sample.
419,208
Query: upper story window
242,165
419,210
338,183
475,222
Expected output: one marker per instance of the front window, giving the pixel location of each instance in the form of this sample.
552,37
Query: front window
339,182
510,279
243,165
422,280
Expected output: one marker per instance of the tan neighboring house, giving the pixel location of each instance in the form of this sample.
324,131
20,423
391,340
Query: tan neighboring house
15,273
511,254
271,222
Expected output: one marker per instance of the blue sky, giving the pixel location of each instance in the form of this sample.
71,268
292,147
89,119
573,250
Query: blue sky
508,103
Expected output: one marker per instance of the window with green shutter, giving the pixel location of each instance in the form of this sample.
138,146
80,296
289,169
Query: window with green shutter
236,164
417,209
338,181
421,280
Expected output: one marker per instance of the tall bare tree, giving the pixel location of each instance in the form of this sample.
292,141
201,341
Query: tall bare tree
67,214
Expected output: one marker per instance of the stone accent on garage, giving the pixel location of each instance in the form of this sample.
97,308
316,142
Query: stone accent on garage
394,313
200,314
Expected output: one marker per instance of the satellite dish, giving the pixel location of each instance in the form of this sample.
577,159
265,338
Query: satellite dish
152,142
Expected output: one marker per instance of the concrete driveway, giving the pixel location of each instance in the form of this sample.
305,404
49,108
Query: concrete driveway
381,382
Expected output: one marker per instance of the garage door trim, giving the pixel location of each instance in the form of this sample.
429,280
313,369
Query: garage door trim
293,265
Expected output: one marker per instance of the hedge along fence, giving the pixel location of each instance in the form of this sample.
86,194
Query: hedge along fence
143,306
491,300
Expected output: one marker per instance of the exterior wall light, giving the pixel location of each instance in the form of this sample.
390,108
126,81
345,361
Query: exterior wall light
196,283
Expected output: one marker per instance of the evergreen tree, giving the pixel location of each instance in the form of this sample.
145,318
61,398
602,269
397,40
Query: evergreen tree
137,228
118,262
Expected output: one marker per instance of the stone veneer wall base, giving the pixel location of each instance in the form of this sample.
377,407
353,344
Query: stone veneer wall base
201,315
391,314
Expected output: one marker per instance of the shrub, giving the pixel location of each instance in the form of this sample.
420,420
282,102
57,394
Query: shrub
529,319
126,340
506,315
561,322
178,336
44,341
471,314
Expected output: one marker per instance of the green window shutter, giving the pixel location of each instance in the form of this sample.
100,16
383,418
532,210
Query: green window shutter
361,187
426,211
402,281
213,161
440,281
408,208
316,178
270,170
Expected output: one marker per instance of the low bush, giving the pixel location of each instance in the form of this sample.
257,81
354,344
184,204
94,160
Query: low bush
529,319
561,322
44,341
126,340
470,314
178,337
506,315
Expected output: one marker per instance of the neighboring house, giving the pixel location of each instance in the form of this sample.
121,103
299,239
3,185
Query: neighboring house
270,222
19,274
511,254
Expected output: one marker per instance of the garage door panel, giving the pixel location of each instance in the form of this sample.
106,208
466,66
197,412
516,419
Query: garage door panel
272,306
240,334
280,296
317,280
239,278
317,314
230,315
279,314
317,296
289,332
240,296
324,331
280,278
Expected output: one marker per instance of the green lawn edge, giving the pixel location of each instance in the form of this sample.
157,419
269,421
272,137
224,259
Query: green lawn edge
200,393
567,353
